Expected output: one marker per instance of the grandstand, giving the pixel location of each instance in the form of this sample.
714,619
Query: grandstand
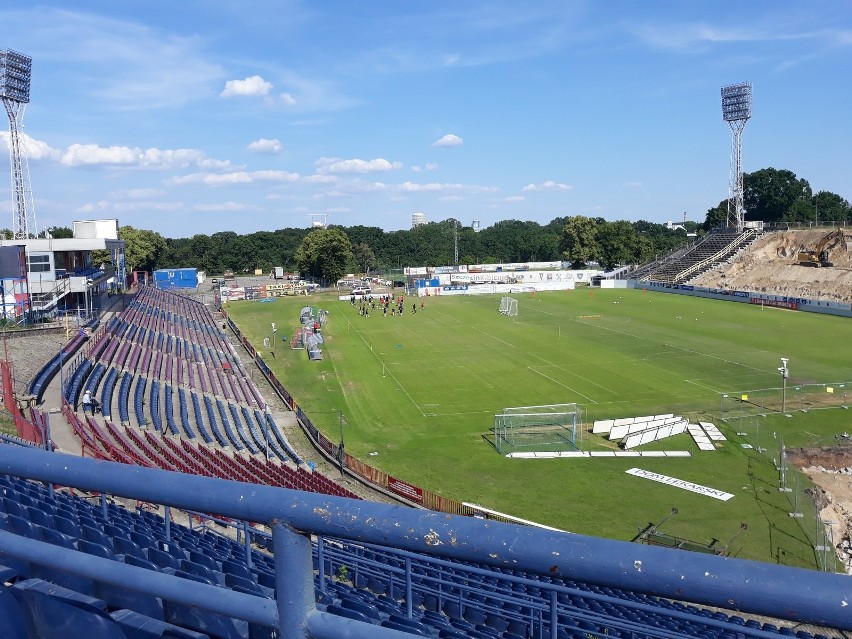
687,263
96,547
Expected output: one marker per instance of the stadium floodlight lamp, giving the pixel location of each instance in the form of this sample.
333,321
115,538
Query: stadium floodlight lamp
15,72
736,102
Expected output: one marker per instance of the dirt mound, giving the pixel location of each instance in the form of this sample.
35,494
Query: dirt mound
771,266
830,469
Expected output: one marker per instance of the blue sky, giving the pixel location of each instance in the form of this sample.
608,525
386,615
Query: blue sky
196,117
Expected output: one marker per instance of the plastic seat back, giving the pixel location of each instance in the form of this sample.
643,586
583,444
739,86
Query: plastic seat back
139,626
13,621
54,611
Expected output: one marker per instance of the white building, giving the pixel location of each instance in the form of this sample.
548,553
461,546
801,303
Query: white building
59,275
418,219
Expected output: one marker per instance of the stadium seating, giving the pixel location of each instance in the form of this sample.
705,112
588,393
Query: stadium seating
690,262
410,592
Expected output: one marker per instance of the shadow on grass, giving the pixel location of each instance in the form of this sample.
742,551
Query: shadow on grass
488,438
797,544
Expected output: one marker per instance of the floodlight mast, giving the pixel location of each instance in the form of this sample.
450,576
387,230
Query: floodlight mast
736,111
15,70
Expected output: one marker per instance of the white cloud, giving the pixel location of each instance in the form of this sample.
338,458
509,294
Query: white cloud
430,166
321,179
143,193
101,206
251,86
234,177
92,154
549,185
226,207
515,198
338,165
448,140
414,187
450,198
633,185
270,147
286,98
35,149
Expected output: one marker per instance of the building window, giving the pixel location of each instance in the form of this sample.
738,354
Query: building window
38,263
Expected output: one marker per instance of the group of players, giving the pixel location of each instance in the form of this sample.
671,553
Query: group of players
383,303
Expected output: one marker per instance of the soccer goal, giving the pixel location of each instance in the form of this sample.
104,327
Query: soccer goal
509,306
537,428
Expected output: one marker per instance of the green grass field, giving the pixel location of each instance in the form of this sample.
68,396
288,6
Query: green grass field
420,392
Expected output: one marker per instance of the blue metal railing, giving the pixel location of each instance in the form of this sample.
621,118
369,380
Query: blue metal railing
734,584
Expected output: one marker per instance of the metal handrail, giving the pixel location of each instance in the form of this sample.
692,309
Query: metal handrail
748,586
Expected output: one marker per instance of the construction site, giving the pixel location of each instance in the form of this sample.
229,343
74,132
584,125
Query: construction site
814,264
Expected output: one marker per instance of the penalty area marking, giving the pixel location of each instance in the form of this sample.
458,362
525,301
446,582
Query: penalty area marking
680,483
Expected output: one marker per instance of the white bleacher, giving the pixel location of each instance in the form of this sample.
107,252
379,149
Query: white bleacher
701,439
660,430
602,426
620,432
712,432
605,426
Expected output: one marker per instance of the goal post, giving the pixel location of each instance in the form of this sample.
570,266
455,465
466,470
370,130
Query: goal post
509,306
547,428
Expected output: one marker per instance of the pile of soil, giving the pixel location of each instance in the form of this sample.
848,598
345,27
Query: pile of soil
771,266
831,470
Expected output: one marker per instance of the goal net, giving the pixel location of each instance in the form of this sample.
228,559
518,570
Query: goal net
537,428
509,306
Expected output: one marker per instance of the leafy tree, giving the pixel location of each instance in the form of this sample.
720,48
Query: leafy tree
101,257
60,232
799,211
830,206
618,244
769,194
717,216
364,258
324,253
143,249
579,240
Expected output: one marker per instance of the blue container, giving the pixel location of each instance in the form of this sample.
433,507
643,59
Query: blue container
176,278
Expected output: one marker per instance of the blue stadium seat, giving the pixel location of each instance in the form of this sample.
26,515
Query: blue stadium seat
139,401
13,620
54,611
94,548
124,397
140,626
209,623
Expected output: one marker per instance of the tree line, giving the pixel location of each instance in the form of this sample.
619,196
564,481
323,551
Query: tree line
329,253
771,195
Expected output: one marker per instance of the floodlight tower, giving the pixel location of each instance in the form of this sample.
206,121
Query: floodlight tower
15,71
319,220
736,111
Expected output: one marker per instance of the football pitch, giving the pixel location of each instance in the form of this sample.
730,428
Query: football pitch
420,391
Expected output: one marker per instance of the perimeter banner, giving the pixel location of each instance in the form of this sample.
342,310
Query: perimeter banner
405,489
679,483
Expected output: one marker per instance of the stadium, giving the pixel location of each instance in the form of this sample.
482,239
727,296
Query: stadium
477,436
649,447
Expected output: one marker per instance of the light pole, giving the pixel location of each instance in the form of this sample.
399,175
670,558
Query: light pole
274,330
785,373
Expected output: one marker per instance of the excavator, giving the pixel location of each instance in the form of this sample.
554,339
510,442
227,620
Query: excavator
818,256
